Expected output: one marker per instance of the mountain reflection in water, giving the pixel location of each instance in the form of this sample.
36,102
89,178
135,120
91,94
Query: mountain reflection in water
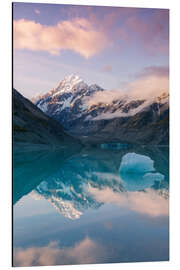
131,183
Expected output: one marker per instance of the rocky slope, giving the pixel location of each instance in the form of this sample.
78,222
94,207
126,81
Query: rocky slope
32,128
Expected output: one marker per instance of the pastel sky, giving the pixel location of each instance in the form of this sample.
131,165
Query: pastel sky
104,45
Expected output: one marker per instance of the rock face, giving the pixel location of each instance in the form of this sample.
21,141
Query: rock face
123,119
32,128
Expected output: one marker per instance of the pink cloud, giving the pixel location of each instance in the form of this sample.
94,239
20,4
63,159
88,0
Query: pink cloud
37,11
86,251
88,32
150,203
78,35
107,68
150,83
159,71
130,25
154,33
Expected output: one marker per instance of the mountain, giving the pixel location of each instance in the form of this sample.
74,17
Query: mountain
65,103
34,129
123,119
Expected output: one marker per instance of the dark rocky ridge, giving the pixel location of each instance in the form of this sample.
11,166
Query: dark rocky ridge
34,129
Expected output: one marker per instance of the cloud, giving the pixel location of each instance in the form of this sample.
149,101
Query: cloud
107,68
130,25
113,115
88,31
87,251
78,35
159,71
125,26
37,11
106,97
149,87
148,84
153,33
150,202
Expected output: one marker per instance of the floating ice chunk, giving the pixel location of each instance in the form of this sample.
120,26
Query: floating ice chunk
135,163
137,172
154,177
139,181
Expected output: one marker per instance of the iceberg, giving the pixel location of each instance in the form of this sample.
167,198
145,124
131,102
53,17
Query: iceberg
138,173
136,163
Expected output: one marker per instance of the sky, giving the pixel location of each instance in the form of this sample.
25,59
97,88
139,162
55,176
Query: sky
110,46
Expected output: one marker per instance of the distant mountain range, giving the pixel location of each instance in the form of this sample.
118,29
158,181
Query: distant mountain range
124,119
33,129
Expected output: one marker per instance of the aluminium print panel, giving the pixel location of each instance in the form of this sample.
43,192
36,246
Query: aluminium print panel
90,134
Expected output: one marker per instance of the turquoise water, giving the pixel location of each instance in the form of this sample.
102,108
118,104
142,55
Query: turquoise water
100,205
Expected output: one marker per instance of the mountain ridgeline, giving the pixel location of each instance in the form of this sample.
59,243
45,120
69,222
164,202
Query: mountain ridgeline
125,119
33,129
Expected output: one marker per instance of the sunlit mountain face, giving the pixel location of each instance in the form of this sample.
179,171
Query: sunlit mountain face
89,193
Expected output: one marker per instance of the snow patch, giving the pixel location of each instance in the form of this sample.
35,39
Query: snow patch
67,103
43,106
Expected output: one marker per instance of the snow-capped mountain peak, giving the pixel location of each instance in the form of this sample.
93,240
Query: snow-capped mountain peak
69,93
72,78
64,86
67,84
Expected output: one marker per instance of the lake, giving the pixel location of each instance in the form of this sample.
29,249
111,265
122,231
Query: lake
105,204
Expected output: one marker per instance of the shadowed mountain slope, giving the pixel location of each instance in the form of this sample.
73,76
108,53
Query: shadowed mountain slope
33,129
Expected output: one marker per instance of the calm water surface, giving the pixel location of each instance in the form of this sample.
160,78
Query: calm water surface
101,205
